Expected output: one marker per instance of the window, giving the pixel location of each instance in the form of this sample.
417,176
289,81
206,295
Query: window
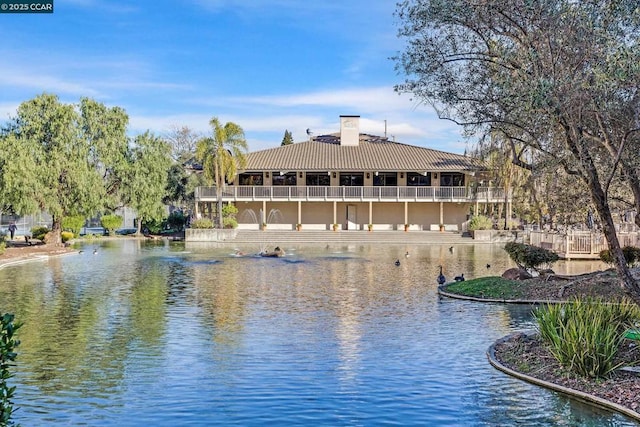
451,180
252,178
385,179
352,179
318,178
418,179
288,178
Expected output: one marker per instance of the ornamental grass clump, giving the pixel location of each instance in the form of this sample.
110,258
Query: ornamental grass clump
584,335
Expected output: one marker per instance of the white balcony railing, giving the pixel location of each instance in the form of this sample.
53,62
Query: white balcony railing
352,194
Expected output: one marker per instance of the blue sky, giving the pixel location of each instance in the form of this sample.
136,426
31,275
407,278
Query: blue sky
267,65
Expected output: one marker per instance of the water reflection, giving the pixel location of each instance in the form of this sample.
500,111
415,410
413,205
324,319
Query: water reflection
156,333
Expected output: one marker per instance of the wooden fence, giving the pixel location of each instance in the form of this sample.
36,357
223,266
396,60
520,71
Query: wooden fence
579,244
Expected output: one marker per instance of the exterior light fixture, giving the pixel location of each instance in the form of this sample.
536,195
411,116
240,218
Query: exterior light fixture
368,176
401,175
300,174
334,174
267,174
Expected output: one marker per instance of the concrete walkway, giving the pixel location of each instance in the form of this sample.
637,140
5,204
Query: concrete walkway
350,237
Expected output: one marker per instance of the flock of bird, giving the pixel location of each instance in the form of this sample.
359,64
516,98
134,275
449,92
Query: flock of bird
441,279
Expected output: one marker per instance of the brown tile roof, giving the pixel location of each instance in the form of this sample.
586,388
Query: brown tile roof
373,153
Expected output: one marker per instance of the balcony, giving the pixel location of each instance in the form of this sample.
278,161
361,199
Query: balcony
233,193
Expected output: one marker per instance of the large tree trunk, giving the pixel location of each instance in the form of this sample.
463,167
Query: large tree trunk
219,190
599,198
54,237
139,226
628,283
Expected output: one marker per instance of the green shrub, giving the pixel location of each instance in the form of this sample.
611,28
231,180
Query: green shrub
8,355
584,336
176,220
39,232
202,223
154,226
631,255
111,222
73,224
605,256
66,236
229,222
3,247
480,222
229,211
530,257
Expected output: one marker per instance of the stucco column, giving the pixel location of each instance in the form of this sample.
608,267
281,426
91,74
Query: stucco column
441,213
370,212
335,213
264,212
406,212
299,212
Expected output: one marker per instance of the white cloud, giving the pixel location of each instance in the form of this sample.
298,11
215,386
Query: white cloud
266,130
44,83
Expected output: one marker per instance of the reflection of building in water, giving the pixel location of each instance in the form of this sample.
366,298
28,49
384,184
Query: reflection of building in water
349,335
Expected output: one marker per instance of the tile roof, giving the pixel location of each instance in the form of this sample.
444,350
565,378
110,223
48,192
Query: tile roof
324,152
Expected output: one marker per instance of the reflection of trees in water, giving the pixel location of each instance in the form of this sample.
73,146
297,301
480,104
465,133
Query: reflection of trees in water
80,331
123,321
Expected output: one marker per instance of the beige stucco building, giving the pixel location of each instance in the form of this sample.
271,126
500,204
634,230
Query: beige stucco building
356,181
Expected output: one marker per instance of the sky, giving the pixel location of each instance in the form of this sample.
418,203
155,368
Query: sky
266,65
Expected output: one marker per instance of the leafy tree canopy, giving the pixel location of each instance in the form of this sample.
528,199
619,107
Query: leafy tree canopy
147,179
222,155
559,79
63,152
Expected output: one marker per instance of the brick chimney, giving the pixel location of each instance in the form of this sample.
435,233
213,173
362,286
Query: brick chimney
349,130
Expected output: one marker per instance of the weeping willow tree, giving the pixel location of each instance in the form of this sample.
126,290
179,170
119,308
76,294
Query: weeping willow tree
57,158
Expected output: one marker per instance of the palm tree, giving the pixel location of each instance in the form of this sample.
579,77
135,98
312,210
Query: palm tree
222,155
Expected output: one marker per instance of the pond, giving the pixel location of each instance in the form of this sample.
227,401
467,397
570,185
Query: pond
165,334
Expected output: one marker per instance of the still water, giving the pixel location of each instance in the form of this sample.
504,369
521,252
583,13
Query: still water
163,334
